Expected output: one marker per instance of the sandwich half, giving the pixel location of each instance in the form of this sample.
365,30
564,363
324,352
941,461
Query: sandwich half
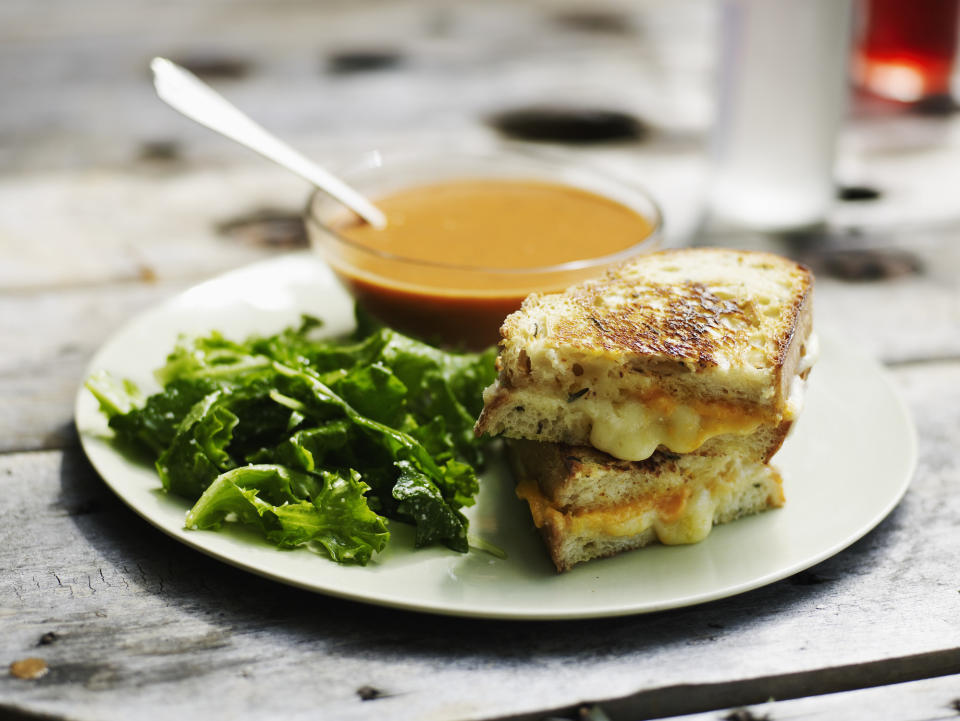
646,405
587,504
666,351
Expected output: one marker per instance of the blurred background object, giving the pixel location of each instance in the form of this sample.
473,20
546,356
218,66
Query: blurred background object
906,50
781,99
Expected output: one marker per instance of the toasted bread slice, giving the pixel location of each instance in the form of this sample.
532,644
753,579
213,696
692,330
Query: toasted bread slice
668,350
589,505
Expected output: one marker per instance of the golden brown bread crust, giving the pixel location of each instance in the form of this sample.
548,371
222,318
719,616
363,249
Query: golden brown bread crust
685,314
688,326
676,306
702,326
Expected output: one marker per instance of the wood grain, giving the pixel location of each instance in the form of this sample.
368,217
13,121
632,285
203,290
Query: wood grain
927,700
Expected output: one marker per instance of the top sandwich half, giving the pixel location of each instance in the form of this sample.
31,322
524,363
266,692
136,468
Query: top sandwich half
668,350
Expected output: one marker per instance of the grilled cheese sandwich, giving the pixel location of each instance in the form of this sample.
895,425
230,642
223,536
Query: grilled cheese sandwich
646,406
674,499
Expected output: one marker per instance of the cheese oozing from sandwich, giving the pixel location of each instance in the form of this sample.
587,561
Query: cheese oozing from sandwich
667,499
633,428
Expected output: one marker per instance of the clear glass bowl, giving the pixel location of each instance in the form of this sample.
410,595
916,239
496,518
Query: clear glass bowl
467,305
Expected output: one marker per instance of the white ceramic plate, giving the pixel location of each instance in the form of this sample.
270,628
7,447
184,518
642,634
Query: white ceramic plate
845,467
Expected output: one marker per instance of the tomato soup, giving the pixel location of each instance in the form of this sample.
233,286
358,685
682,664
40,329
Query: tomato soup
455,258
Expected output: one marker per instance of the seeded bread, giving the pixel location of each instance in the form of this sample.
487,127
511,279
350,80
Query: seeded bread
667,350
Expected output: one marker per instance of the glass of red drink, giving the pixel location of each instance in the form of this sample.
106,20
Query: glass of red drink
906,49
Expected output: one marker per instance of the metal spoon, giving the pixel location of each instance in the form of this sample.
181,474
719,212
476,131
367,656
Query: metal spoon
185,92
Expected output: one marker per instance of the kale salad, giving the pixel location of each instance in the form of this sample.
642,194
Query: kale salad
313,441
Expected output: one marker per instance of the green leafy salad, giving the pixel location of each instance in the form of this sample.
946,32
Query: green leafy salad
313,441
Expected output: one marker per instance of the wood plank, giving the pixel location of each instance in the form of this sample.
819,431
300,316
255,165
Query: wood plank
927,700
894,295
84,227
52,335
143,623
486,55
89,227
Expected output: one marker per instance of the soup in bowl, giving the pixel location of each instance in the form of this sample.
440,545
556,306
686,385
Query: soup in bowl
470,235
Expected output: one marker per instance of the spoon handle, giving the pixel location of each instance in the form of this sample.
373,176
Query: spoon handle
186,93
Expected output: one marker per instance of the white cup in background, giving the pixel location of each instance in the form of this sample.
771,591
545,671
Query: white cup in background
782,97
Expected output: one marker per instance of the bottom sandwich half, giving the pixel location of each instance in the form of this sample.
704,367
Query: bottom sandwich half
587,504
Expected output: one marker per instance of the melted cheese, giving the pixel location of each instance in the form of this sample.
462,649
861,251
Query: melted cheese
632,431
680,516
798,385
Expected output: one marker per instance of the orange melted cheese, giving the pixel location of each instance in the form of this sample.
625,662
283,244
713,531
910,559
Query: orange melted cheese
715,416
680,516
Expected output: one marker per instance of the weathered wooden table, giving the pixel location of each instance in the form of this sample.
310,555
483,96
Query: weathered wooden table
109,202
